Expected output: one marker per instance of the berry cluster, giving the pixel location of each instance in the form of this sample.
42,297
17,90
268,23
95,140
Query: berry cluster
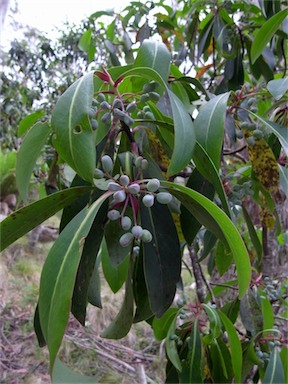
126,193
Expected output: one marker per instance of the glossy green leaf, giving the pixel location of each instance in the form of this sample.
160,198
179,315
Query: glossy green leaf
215,324
28,154
253,234
274,372
94,289
27,122
265,34
122,323
38,329
283,172
171,348
278,87
217,221
162,324
267,312
231,310
62,374
196,83
284,359
74,138
235,346
191,368
162,256
27,218
250,311
223,258
59,274
184,136
206,166
87,265
115,275
154,55
85,41
209,126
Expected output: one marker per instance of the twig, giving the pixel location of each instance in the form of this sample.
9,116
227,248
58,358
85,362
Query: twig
224,285
200,287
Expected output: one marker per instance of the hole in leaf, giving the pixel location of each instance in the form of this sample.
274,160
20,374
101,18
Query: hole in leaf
77,129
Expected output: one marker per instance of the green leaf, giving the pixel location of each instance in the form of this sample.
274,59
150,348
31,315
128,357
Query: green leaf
278,87
215,323
122,323
284,359
196,83
59,274
27,122
94,289
115,275
253,234
274,371
28,154
87,265
191,368
74,136
207,213
27,218
162,256
235,346
283,172
267,312
171,348
85,41
206,166
154,55
265,34
279,130
223,258
209,126
62,374
184,136
162,324
250,311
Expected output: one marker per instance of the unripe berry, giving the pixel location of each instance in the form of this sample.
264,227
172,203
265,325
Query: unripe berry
149,115
101,97
244,125
144,98
106,118
126,223
124,180
134,188
138,161
144,164
119,114
117,103
113,215
128,120
105,105
251,127
126,239
94,124
149,87
154,96
107,163
239,134
164,197
91,112
131,107
251,141
148,200
258,134
153,185
112,186
119,196
98,174
146,236
137,231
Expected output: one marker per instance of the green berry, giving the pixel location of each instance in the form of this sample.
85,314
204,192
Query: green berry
154,96
144,98
119,114
239,134
126,223
137,231
107,163
244,125
138,161
149,115
148,200
146,108
113,215
119,196
91,112
153,185
112,186
131,107
94,124
251,141
104,105
258,134
251,127
106,118
101,97
149,87
98,174
95,102
251,101
164,197
117,103
124,180
128,120
144,164
146,236
134,188
126,239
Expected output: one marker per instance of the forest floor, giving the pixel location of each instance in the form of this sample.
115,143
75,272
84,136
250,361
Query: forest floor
129,360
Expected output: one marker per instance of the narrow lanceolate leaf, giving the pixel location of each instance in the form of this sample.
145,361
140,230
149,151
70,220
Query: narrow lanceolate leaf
122,323
27,218
154,55
74,136
28,154
162,257
274,371
171,348
27,122
59,274
209,126
191,369
184,136
235,347
62,374
267,312
253,234
208,214
215,324
265,34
